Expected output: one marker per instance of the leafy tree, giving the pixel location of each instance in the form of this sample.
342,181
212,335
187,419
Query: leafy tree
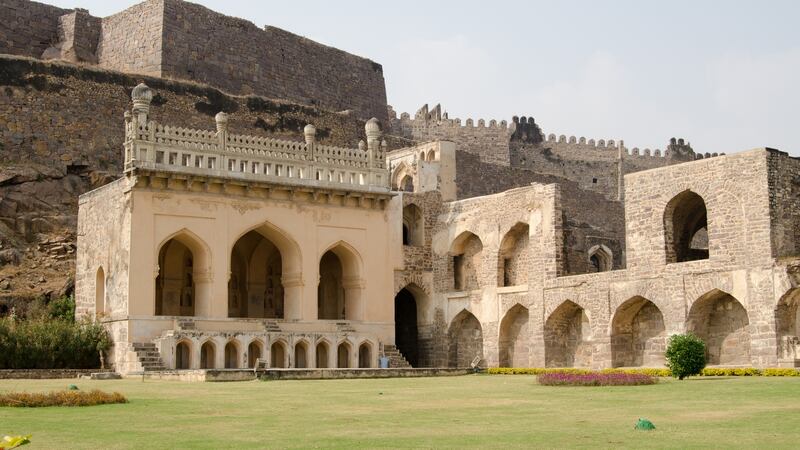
686,355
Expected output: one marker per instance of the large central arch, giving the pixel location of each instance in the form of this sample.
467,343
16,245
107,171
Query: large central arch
638,336
567,337
722,323
264,270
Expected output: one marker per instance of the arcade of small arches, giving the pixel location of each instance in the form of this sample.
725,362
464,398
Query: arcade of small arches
637,335
276,353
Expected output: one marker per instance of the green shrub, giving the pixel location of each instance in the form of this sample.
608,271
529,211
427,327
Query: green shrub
60,398
730,372
686,355
51,344
781,372
62,308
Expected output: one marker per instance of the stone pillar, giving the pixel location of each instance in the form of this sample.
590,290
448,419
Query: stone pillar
141,97
353,292
221,120
310,133
292,296
203,295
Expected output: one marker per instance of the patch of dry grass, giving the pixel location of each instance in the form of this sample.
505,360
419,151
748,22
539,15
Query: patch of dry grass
60,398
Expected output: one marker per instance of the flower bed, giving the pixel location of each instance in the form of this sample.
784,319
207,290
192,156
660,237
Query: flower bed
653,372
60,398
595,379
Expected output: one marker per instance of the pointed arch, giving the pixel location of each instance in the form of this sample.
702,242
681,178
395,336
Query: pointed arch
787,327
100,293
601,259
279,355
465,336
339,292
513,257
232,349
183,354
255,351
343,351
686,228
721,321
301,354
208,355
409,304
638,334
322,353
365,355
514,338
413,226
466,251
183,262
403,178
568,337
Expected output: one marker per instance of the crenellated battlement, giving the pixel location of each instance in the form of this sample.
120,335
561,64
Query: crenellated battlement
435,117
151,145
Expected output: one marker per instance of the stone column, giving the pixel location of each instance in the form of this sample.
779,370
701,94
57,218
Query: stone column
292,296
353,292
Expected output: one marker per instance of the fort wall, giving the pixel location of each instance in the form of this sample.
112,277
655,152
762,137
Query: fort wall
28,28
132,40
176,39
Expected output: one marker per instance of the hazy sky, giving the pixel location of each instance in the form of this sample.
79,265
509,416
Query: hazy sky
724,75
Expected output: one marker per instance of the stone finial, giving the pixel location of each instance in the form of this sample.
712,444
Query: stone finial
362,145
373,129
384,145
222,121
310,132
141,96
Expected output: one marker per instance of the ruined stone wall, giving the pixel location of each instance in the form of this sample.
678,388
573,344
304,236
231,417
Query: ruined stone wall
28,28
236,56
104,236
590,218
132,40
784,174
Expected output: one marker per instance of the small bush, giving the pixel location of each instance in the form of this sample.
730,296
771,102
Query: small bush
686,355
595,379
60,398
781,372
730,372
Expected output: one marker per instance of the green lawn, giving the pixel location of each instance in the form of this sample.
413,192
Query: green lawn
450,412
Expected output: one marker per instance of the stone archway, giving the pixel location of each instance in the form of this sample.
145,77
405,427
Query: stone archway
514,347
406,332
787,323
568,337
465,337
722,323
638,335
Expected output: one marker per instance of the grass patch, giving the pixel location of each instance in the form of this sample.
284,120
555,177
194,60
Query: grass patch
60,398
595,379
447,412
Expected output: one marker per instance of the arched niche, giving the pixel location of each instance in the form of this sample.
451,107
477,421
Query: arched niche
686,228
182,283
638,334
568,337
466,252
339,292
513,257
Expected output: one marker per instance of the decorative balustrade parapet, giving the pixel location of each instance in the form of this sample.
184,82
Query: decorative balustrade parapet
155,146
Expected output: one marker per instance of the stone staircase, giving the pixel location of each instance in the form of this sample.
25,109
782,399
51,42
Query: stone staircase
396,359
148,356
